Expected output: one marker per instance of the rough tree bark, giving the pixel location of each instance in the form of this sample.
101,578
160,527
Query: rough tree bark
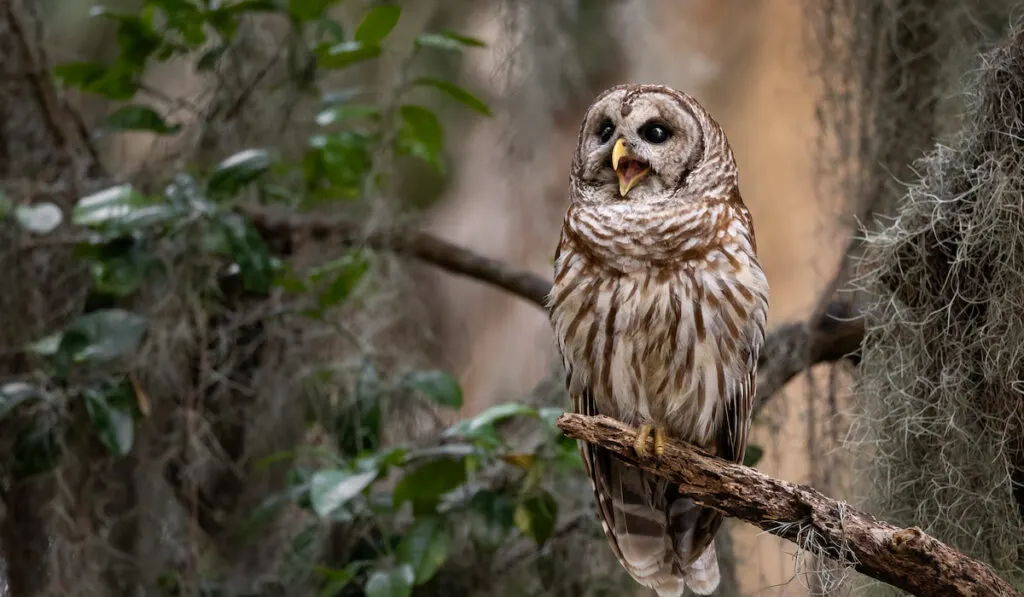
905,558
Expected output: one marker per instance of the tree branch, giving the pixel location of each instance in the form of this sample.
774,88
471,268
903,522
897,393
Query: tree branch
283,231
906,558
790,349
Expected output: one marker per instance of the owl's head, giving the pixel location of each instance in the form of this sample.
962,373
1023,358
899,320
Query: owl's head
649,143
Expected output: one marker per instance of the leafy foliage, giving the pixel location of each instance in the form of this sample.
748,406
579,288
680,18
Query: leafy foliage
413,497
442,486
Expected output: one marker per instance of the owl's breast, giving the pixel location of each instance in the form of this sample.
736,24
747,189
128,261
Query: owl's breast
660,344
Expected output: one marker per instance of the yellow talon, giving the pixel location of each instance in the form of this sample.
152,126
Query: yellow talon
659,441
640,444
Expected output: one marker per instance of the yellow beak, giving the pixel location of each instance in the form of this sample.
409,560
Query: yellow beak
632,170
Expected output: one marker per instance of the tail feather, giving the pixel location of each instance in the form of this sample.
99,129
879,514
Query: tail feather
639,528
702,577
655,532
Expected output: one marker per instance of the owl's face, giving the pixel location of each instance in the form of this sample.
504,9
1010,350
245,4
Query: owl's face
637,144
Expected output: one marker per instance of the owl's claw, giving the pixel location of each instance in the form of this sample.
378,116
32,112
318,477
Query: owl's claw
645,432
640,443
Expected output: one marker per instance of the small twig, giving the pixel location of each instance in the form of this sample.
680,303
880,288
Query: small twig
907,558
236,107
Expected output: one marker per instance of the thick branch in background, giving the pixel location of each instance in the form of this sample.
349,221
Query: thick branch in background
284,231
905,558
790,349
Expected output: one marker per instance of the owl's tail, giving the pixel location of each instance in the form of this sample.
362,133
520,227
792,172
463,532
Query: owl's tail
702,577
651,529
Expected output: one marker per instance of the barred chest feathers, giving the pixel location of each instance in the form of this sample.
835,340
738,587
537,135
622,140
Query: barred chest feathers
657,312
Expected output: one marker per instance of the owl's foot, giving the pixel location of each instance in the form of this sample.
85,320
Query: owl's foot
645,432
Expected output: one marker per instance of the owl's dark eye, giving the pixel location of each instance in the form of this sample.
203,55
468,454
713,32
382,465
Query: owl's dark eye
654,133
605,131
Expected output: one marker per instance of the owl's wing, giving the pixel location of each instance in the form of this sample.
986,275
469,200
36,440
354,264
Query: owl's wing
732,439
607,473
695,527
597,463
633,507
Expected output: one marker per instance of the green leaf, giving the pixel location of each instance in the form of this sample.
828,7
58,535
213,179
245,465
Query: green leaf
337,164
378,23
441,387
330,489
112,419
456,93
567,454
40,218
495,514
137,39
37,447
117,82
345,111
425,547
337,580
209,58
536,516
253,6
348,271
117,270
309,10
110,204
487,419
753,455
425,485
382,461
140,118
79,74
17,392
448,40
47,346
344,54
183,16
420,135
396,582
448,449
249,252
332,30
358,426
231,175
185,192
122,207
102,335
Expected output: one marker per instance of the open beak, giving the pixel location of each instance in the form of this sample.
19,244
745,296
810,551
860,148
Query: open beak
628,167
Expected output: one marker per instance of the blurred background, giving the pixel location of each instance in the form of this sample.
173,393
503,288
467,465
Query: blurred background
287,411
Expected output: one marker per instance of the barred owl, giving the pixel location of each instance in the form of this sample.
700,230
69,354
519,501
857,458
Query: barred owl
658,308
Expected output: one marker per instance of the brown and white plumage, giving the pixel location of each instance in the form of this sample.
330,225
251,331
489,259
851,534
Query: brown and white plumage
658,307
